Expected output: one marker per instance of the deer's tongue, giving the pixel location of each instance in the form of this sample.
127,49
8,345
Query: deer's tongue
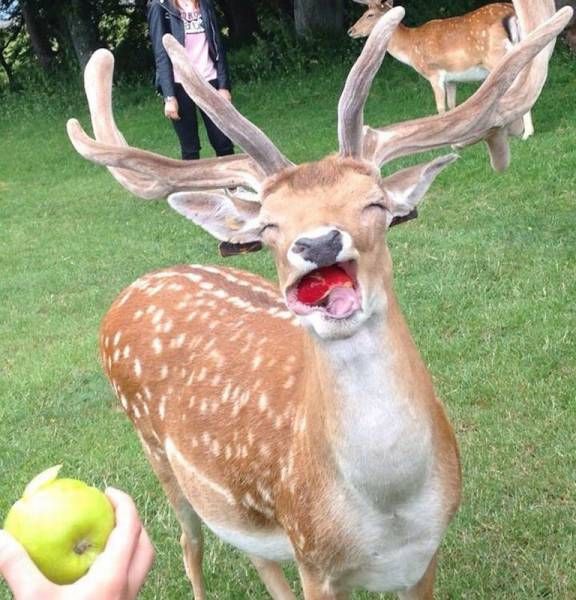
342,302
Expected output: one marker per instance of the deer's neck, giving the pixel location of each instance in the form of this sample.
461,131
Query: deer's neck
401,45
372,407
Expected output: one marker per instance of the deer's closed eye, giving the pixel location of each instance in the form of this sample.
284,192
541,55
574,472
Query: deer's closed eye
376,205
268,228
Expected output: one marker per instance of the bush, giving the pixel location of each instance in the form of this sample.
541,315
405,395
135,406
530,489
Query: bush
277,50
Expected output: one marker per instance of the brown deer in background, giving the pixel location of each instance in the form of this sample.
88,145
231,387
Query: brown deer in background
300,423
448,51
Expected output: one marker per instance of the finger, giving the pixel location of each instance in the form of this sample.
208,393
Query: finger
142,562
122,542
17,568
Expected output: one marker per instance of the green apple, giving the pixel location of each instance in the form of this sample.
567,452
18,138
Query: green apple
62,523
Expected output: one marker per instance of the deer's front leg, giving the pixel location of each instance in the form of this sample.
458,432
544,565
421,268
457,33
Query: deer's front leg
451,95
424,589
273,578
439,87
316,587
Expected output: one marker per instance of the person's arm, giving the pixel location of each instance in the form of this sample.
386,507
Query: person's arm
116,574
164,70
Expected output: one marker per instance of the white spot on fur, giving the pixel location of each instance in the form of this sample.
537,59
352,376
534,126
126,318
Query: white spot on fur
263,402
162,407
178,341
157,345
158,316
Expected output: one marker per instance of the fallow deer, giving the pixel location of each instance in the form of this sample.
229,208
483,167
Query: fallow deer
293,428
448,51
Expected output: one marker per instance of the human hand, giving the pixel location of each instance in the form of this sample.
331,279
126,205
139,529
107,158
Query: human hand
116,574
171,109
225,94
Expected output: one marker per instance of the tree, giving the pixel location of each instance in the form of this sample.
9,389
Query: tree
242,19
39,39
8,35
325,16
82,30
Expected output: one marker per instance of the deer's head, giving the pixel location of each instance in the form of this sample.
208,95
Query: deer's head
333,213
366,23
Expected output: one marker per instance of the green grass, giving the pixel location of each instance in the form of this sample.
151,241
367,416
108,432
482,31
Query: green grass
486,277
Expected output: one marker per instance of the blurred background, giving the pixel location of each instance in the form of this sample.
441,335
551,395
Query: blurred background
43,42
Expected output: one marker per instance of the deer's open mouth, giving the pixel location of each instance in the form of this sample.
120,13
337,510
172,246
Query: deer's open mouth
331,290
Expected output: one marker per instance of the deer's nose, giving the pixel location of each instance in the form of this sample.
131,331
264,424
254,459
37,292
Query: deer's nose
322,250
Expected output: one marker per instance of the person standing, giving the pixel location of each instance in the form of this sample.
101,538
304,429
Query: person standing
193,24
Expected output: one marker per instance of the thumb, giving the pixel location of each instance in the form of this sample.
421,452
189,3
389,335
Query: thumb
17,568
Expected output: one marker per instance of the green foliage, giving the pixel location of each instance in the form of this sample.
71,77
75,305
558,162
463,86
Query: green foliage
277,50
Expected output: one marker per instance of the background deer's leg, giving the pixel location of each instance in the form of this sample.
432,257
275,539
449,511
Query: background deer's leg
273,578
528,125
438,86
451,94
424,589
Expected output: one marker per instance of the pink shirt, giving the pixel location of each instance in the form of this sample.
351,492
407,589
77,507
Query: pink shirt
196,46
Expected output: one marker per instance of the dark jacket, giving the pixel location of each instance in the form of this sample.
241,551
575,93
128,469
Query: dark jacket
164,18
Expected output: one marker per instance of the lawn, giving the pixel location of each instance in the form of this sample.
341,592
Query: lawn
486,276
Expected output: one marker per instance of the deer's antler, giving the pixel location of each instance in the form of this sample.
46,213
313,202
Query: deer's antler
506,94
252,139
357,87
146,174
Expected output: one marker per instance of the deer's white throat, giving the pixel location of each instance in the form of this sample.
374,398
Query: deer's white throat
384,442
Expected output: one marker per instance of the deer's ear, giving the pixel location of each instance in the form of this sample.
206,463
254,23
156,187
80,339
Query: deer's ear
405,189
227,218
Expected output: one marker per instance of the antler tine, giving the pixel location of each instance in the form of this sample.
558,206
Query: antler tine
98,87
496,105
152,176
359,81
531,80
249,137
146,174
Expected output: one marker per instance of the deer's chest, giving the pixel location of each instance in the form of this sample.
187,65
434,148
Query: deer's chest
393,545
391,504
